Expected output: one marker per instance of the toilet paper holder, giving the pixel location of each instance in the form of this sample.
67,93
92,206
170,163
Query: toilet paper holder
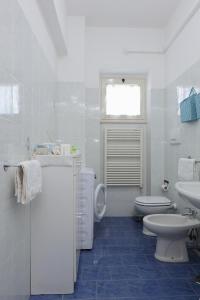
165,185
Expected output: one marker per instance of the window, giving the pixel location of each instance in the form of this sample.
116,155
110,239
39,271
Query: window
123,99
9,99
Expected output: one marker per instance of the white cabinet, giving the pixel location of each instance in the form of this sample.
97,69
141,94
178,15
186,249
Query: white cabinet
86,209
53,227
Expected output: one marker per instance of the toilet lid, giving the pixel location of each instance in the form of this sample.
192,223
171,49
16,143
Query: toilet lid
153,201
100,202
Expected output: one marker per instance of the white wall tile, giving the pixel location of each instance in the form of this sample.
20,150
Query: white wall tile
189,132
70,113
22,64
154,142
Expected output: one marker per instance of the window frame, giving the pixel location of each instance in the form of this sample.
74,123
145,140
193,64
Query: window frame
141,81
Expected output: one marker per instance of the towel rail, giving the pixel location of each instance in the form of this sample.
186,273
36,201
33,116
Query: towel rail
123,157
6,166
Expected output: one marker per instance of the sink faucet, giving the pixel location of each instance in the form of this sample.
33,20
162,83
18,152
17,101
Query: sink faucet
188,211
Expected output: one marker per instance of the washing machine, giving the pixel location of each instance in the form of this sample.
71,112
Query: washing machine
91,207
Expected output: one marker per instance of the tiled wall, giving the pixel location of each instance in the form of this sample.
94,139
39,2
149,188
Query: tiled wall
70,113
105,55
189,132
27,87
121,200
93,128
155,162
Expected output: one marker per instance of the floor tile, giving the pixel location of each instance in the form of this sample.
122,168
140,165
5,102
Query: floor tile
124,272
175,287
134,259
99,242
152,272
134,298
83,290
143,288
125,242
95,273
196,269
179,271
112,289
122,266
196,288
175,298
46,297
122,250
87,258
109,260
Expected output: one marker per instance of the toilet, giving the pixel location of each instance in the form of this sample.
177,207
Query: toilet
171,231
147,205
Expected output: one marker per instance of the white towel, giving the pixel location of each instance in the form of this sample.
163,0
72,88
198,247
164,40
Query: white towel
186,169
28,181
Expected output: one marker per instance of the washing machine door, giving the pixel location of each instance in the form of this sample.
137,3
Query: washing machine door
100,198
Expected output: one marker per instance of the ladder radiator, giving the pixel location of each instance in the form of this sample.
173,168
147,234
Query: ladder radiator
123,157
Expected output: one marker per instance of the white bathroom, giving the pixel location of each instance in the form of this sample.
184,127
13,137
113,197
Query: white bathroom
99,150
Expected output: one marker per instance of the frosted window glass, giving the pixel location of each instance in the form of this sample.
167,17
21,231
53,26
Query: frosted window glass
123,99
9,100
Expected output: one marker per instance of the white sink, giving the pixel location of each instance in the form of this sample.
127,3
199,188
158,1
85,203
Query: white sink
191,190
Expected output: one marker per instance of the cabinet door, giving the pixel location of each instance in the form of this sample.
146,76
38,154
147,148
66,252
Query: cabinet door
52,233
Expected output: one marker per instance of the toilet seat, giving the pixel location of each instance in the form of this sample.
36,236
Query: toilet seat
152,201
100,198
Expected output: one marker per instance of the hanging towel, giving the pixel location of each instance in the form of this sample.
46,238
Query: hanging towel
186,169
28,181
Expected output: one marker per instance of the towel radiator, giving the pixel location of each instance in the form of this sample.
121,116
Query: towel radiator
123,157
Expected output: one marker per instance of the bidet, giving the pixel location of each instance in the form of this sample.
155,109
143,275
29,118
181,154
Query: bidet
147,205
171,231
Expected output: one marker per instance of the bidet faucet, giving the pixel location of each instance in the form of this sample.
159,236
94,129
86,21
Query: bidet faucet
188,211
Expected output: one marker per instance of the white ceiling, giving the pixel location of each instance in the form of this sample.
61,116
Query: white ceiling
123,13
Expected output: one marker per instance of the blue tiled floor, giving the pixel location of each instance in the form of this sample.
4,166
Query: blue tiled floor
122,267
